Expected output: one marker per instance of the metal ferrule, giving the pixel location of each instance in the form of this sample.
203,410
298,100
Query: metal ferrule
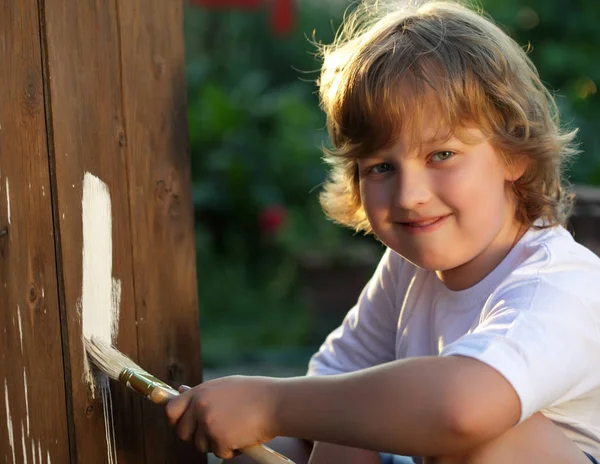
147,385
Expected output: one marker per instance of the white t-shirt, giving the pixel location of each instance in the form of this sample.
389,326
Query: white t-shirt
535,318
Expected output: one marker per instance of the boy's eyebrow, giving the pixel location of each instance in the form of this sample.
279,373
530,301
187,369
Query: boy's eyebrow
439,136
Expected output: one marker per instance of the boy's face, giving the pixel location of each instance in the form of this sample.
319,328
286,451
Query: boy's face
445,205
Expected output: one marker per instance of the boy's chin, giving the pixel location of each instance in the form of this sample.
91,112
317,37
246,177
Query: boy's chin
434,263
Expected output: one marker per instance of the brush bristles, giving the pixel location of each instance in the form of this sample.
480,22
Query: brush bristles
107,358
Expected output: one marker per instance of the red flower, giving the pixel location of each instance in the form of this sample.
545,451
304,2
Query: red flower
271,219
282,11
282,19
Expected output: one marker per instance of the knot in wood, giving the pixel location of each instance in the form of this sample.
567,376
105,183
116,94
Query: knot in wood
33,294
122,139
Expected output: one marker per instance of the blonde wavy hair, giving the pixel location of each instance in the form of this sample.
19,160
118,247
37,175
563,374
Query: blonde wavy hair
378,77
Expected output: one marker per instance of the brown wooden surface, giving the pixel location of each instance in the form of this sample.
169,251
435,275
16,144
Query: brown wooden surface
154,103
82,47
585,222
31,366
95,100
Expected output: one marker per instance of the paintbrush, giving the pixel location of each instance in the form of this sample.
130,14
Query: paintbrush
121,368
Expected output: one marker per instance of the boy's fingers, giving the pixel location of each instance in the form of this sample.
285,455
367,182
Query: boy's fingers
221,452
184,388
202,442
186,428
176,407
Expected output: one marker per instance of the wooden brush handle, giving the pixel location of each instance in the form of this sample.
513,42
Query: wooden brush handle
260,453
265,455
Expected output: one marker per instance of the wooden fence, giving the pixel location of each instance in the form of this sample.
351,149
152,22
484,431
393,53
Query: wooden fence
92,88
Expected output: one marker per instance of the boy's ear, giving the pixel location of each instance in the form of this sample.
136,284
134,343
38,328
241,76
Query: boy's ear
516,168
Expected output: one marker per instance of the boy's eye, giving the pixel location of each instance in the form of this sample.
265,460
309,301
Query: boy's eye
442,155
380,168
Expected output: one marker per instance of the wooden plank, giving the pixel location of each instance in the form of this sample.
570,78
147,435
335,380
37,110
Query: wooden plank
152,54
585,222
33,419
86,115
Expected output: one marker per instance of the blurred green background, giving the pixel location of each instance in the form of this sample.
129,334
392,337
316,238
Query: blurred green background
274,276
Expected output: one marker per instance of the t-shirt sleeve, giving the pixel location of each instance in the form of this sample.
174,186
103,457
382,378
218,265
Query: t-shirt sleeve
368,333
542,338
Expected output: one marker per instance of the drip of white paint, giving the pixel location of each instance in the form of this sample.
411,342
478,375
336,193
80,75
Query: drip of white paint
8,200
26,399
40,452
33,451
23,443
9,424
109,423
48,457
20,327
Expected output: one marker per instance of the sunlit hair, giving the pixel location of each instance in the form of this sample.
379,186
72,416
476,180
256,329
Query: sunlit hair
381,72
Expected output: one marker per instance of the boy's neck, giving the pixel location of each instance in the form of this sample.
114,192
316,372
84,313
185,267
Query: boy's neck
473,271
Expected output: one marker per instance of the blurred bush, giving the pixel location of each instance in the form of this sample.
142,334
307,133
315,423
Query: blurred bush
256,134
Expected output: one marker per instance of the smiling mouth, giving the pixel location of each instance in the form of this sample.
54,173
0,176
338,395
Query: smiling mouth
424,223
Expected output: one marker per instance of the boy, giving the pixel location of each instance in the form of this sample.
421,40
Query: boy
476,340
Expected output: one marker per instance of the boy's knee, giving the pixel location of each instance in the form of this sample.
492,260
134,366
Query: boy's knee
535,440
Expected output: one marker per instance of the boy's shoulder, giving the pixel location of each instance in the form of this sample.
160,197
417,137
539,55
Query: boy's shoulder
549,265
555,251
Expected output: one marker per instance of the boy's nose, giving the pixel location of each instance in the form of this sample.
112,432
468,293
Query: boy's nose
412,190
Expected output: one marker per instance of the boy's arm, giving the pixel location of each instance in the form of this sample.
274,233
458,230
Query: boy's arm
426,406
368,333
421,406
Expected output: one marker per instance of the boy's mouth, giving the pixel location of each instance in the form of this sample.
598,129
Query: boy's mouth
423,224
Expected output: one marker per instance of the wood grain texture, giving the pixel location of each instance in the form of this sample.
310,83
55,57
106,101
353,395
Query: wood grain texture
117,110
33,418
82,56
152,54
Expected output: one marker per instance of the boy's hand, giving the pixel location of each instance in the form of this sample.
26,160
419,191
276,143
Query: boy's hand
226,414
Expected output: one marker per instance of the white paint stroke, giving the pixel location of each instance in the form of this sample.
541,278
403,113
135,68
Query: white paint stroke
20,327
8,200
48,457
26,399
33,451
40,451
9,424
98,313
100,293
23,443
